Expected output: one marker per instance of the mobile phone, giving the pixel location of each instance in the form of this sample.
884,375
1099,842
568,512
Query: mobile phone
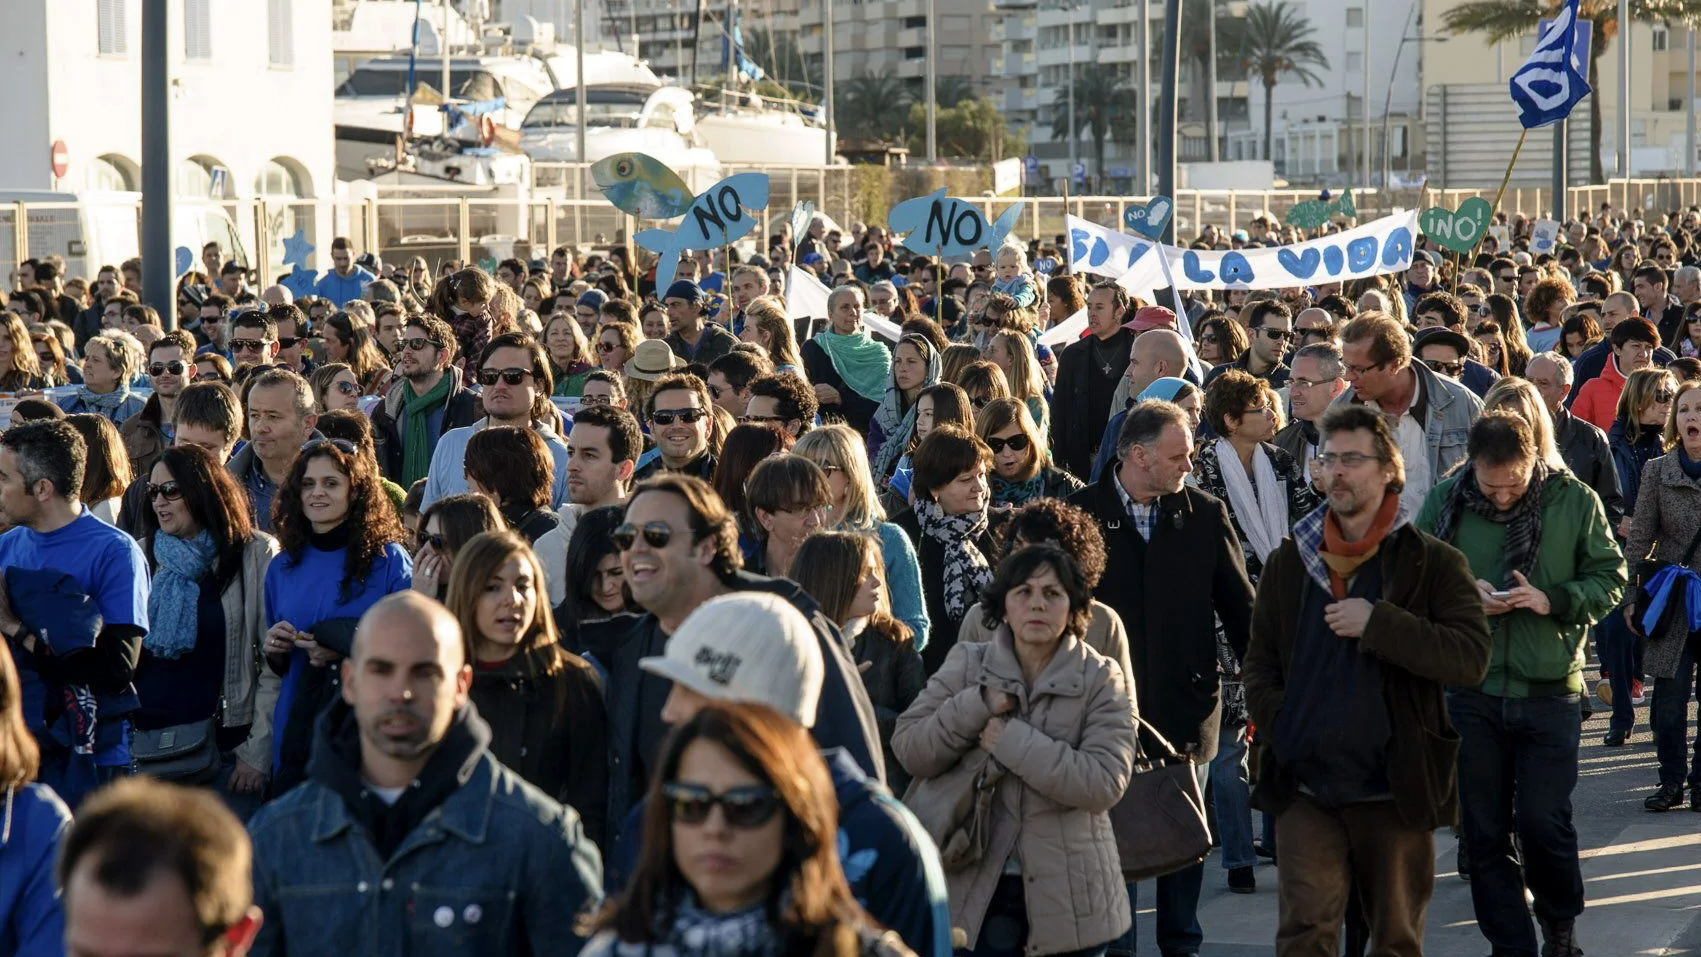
1500,595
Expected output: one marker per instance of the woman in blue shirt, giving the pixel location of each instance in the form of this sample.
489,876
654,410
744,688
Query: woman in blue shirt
341,553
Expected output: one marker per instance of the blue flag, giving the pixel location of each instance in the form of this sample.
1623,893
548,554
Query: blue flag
1552,81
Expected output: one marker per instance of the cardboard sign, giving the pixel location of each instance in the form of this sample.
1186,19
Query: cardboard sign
1459,230
1149,219
935,225
716,218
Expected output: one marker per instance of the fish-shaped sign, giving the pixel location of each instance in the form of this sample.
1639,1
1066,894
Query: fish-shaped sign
722,214
641,185
1315,212
801,214
935,225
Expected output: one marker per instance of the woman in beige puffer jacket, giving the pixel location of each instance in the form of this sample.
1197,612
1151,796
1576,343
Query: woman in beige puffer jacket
1057,720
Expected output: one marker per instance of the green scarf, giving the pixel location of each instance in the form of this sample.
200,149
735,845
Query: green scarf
416,444
863,363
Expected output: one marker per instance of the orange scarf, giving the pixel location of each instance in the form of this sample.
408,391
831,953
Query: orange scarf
1344,557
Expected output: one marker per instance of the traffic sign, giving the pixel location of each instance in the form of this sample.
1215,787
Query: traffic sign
1080,172
61,159
1032,164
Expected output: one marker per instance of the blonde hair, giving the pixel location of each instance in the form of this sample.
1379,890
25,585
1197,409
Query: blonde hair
770,317
1515,395
1638,394
840,447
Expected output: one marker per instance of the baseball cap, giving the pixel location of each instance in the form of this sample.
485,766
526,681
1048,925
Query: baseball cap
684,289
592,299
812,259
747,647
1152,317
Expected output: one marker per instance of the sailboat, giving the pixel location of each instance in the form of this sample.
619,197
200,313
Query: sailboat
744,128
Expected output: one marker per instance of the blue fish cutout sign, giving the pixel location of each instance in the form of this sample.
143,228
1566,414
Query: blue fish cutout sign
1149,219
935,225
641,185
721,215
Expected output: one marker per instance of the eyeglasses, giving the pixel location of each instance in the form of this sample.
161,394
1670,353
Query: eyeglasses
1312,383
1349,460
656,535
590,399
418,343
669,416
1444,367
341,445
513,376
761,419
170,491
288,342
346,387
606,347
743,808
249,345
1664,395
1361,370
1276,335
174,367
1015,443
209,377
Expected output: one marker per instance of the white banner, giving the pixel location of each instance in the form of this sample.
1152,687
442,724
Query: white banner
1382,246
1544,236
807,298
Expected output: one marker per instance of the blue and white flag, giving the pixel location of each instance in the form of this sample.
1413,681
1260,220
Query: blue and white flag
1552,80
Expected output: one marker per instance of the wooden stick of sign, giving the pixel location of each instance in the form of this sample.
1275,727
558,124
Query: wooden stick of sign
1500,193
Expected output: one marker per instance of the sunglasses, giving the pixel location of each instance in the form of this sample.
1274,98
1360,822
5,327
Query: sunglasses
1663,396
435,541
1209,339
1445,368
656,535
762,419
209,377
606,347
418,343
669,416
288,342
174,367
743,808
170,491
1015,443
248,345
346,387
1277,335
510,376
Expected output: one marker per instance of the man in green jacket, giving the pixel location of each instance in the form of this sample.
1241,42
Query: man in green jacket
1548,568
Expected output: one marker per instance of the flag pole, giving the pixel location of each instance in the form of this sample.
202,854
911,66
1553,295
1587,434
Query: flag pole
1499,194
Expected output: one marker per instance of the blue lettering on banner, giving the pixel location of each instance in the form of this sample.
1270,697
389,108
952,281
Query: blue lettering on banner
1398,248
1361,253
1195,272
1236,269
1333,260
1301,265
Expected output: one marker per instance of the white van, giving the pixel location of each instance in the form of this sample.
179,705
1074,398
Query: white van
103,228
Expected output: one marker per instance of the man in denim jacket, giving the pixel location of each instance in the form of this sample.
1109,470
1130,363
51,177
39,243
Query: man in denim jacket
408,837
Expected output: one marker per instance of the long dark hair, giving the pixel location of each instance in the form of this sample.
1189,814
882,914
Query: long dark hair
592,541
809,903
20,756
371,519
215,502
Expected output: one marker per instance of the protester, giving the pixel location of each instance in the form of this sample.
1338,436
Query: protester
765,867
334,388
766,324
692,337
1666,521
596,611
784,399
915,367
346,280
107,472
445,527
1053,724
1324,755
1269,323
786,500
544,704
948,525
85,699
513,468
429,399
147,433
111,360
31,923
847,368
350,342
1547,567
678,412
1021,468
602,454
1581,444
617,342
1087,373
1633,343
403,767
515,375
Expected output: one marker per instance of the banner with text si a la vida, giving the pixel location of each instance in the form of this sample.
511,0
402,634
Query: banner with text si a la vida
1382,246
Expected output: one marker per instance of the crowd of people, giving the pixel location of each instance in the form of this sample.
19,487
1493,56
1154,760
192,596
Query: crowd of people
541,609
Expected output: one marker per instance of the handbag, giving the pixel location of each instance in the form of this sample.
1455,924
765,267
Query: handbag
184,753
1645,572
1160,822
955,808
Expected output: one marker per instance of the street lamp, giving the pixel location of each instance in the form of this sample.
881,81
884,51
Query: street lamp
1389,98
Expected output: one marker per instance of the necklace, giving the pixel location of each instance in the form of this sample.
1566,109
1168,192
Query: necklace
1105,363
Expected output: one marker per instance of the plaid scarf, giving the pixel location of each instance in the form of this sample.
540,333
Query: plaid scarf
1523,520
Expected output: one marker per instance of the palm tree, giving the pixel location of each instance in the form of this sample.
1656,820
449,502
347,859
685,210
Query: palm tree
1278,42
948,91
1196,54
1499,20
1104,103
873,105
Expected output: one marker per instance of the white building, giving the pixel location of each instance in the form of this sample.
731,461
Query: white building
250,111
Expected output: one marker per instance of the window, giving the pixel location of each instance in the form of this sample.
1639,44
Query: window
1662,40
197,30
1355,18
915,53
280,32
111,28
914,23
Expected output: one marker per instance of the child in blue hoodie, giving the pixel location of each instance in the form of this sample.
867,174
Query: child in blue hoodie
1014,279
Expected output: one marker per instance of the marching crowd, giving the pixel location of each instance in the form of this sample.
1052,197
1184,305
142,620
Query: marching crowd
541,610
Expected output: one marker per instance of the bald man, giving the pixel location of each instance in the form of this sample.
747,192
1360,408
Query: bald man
402,768
1614,309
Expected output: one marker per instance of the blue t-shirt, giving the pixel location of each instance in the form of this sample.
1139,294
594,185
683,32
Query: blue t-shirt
106,563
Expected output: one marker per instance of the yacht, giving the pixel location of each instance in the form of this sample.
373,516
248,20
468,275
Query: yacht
745,129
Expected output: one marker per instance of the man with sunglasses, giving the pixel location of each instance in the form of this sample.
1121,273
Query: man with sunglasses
730,376
214,328
1270,326
758,649
784,399
430,397
679,413
514,373
409,835
293,332
1443,310
148,432
253,339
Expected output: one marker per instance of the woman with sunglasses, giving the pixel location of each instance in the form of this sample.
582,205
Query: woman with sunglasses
20,368
1022,470
335,387
1220,340
948,526
544,704
597,611
444,529
341,552
56,369
739,851
915,367
351,342
786,501
1052,724
569,355
616,341
201,659
1637,435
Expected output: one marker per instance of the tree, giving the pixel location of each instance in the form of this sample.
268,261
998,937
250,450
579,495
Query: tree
1499,20
1196,55
872,106
949,91
1278,43
1104,103
974,128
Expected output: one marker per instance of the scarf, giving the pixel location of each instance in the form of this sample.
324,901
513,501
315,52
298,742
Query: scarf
966,569
472,334
890,431
183,562
1344,557
863,363
416,444
1257,504
1523,520
1672,581
1006,492
103,404
697,933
